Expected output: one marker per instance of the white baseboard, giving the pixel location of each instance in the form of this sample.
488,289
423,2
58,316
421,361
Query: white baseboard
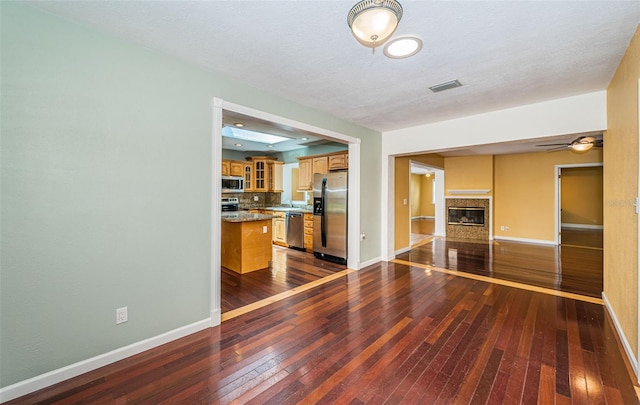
403,250
625,343
73,370
370,262
216,317
582,226
525,240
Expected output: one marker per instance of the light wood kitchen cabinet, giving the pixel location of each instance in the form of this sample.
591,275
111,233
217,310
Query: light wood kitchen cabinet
275,176
236,168
308,232
310,165
248,176
305,174
339,162
232,168
263,174
279,228
260,175
320,165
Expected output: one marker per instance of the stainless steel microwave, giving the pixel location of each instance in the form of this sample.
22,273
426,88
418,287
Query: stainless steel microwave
232,184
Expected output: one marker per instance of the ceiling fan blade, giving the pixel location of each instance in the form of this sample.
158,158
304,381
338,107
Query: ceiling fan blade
557,148
555,144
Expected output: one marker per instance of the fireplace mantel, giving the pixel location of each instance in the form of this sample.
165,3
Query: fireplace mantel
468,191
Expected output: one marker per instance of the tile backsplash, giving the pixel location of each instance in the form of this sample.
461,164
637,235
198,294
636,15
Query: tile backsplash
247,200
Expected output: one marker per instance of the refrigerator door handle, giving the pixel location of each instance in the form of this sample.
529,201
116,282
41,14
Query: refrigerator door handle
323,218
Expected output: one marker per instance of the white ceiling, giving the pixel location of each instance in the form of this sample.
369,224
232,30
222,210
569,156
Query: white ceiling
506,53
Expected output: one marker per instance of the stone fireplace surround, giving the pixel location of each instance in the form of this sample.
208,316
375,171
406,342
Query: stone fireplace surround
465,231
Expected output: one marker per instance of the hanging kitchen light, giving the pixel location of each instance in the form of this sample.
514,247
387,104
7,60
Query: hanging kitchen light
373,21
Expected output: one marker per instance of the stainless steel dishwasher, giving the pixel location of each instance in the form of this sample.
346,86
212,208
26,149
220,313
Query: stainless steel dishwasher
295,230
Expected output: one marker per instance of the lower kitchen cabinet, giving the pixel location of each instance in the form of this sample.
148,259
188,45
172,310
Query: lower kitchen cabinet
308,232
280,228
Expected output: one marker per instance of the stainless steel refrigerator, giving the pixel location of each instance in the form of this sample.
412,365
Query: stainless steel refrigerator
330,216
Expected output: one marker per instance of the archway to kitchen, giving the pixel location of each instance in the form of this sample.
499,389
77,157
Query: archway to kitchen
353,221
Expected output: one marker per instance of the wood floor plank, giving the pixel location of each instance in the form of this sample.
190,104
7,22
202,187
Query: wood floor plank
392,333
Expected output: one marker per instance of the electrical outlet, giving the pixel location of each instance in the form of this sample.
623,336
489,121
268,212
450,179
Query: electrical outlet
264,229
256,198
121,315
506,228
404,201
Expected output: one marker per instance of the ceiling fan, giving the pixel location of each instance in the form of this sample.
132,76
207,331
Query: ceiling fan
580,144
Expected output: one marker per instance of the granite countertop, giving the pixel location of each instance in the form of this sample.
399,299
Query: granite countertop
242,216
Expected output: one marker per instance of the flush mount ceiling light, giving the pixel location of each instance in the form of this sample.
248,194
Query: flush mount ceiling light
402,47
373,21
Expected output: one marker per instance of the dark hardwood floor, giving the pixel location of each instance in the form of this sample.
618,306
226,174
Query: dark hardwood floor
391,334
587,238
567,268
291,268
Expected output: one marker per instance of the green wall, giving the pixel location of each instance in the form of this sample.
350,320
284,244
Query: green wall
106,189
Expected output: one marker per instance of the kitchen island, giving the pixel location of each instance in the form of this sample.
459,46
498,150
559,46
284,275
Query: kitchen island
246,241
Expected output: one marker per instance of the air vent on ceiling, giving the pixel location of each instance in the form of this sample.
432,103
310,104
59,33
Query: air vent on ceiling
445,86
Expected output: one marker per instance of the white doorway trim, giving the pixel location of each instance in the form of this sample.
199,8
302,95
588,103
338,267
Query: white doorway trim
353,217
558,195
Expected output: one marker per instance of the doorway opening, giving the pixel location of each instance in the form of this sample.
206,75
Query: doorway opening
579,212
353,223
426,207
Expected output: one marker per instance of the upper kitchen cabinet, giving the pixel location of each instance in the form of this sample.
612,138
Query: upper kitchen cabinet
267,174
236,168
309,165
275,175
320,164
248,176
339,162
305,174
260,182
232,168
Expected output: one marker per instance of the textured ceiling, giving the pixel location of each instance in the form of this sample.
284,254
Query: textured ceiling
506,53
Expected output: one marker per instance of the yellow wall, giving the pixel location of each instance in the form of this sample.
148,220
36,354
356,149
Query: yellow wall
427,208
581,190
402,215
620,189
422,196
524,193
468,172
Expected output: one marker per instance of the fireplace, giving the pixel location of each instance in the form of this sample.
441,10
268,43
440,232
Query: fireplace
468,218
